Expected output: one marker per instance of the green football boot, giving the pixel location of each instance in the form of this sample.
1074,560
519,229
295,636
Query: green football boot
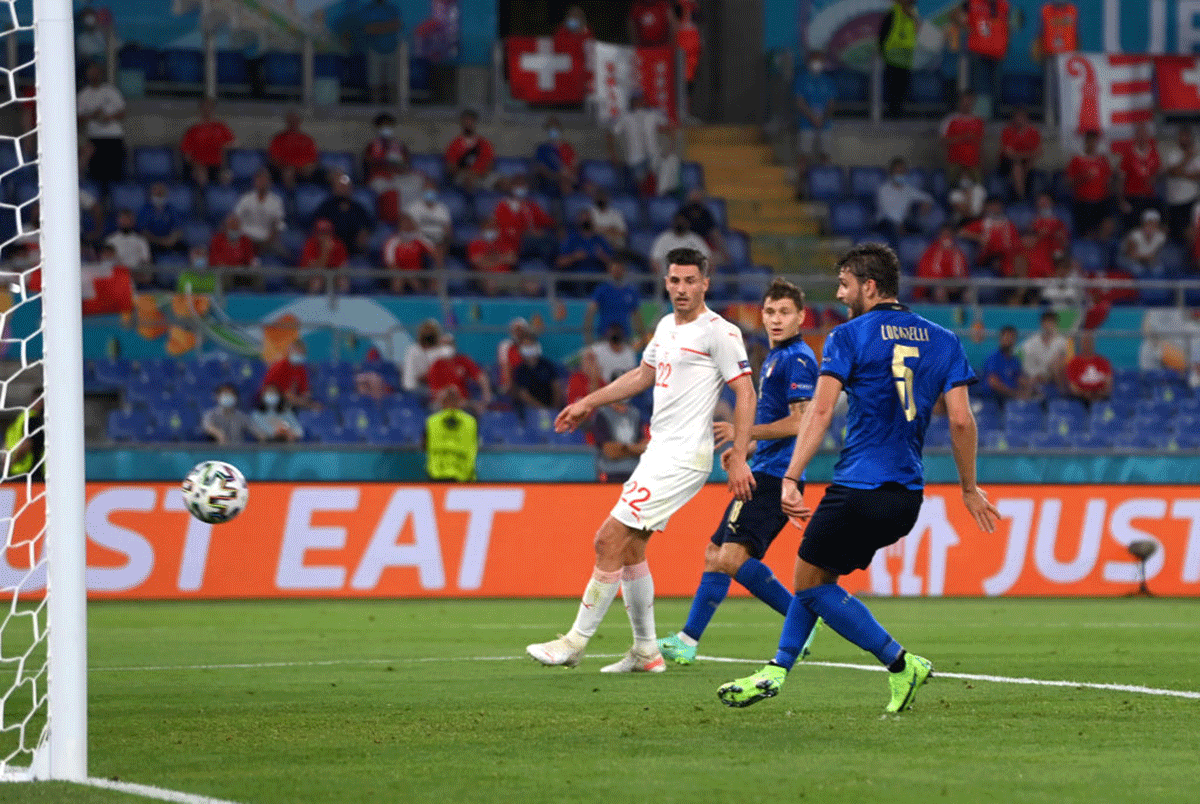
675,650
766,683
904,684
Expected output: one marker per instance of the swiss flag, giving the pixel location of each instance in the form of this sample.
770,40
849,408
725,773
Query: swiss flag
543,69
1178,83
656,72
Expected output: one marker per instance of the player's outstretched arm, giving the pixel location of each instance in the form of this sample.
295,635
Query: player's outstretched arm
629,384
741,480
813,425
963,444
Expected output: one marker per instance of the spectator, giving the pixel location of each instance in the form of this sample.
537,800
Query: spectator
962,134
289,375
1050,227
897,45
586,379
608,221
1138,165
639,128
1020,147
967,200
388,170
420,355
432,216
323,250
895,199
1090,174
535,379
91,39
620,439
1003,378
943,259
351,222
132,249
555,164
701,221
92,218
583,249
204,147
293,155
261,213
1089,375
1065,289
101,109
614,354
230,248
652,23
995,235
574,30
1182,168
226,423
451,439
986,22
1030,260
159,222
490,254
615,302
454,370
1141,249
408,250
1044,355
679,235
25,440
814,94
470,157
274,419
378,26
1059,25
522,220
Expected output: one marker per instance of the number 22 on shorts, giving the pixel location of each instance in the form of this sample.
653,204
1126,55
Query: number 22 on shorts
634,495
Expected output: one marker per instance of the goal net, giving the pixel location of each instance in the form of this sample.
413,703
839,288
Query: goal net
42,575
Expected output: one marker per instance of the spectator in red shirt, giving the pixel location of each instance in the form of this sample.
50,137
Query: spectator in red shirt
1138,165
1030,260
523,221
554,162
491,253
942,260
1089,375
586,379
290,376
293,154
469,157
204,146
460,371
962,134
230,248
1020,147
1090,174
996,235
388,170
406,251
322,249
652,23
574,31
1051,229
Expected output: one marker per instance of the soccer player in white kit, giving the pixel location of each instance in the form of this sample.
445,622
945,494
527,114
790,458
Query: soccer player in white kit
692,353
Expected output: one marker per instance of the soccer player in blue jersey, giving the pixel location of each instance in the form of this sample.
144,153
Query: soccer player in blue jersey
786,383
894,366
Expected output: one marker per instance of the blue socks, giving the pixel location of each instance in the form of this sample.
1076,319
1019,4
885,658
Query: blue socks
712,590
843,613
758,578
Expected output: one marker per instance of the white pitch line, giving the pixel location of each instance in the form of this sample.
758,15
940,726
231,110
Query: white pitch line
149,791
1136,688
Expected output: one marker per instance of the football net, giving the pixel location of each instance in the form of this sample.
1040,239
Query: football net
42,629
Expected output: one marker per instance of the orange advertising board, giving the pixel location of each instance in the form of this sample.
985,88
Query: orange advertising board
385,540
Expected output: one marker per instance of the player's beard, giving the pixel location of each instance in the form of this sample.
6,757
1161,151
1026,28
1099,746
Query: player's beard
854,304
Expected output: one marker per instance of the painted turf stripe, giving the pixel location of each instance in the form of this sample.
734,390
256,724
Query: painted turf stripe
157,793
1039,682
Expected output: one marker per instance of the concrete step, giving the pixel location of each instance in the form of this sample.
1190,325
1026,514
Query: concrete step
733,154
751,192
723,135
717,173
775,228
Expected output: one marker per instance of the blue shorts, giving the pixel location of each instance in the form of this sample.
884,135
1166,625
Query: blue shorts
755,523
850,524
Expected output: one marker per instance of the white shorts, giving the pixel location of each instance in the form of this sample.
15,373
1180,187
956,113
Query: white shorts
655,491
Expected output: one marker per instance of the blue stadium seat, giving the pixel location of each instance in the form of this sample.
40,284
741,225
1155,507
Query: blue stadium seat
927,89
183,69
630,207
1141,440
1092,439
340,160
641,240
485,204
1021,89
366,197
691,175
173,423
196,233
1174,260
865,181
849,218
128,424
128,196
292,240
460,209
719,210
430,165
233,73
752,287
1021,215
361,418
307,198
181,198
153,164
379,238
909,250
282,73
851,87
1050,440
574,205
570,438
219,201
602,173
826,183
244,163
737,246
660,210
509,166
1090,254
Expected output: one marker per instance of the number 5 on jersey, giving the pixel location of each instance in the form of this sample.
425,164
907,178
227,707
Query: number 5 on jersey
904,378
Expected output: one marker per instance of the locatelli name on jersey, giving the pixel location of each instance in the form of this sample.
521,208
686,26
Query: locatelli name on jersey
891,332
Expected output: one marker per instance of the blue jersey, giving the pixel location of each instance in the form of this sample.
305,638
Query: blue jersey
894,366
789,374
1006,367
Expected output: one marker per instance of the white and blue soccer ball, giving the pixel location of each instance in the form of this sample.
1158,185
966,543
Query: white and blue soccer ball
215,491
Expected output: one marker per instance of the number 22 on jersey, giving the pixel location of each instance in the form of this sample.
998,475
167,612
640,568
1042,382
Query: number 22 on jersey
662,373
903,375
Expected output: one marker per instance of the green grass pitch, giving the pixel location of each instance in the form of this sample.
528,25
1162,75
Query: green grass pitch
410,701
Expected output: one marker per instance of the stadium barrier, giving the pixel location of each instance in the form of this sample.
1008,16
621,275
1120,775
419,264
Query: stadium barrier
380,540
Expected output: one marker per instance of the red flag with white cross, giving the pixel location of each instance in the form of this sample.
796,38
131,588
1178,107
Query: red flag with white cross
1178,79
542,70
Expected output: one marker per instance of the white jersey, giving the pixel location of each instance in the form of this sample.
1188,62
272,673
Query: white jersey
691,361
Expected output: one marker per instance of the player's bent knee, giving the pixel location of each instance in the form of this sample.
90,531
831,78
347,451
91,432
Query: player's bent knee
730,558
712,558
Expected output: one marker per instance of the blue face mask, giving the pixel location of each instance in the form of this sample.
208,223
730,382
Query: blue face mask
431,196
553,134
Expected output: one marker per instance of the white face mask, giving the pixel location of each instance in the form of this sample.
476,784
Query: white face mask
430,196
815,67
226,400
573,24
490,235
295,358
520,191
158,200
531,351
386,132
270,399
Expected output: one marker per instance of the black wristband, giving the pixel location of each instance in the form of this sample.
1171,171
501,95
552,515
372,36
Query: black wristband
794,480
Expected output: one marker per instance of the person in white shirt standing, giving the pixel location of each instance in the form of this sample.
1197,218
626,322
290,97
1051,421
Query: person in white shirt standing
100,108
262,215
639,128
1181,165
693,352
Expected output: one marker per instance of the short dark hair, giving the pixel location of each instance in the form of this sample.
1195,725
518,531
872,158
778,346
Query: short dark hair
1008,328
780,288
1049,314
383,117
688,256
874,261
897,160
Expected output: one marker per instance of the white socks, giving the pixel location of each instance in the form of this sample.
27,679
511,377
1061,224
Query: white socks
597,597
637,587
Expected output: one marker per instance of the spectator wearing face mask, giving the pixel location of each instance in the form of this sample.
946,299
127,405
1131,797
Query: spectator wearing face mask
205,145
680,235
614,303
608,221
351,221
226,423
432,216
261,213
461,372
574,30
1050,227
230,248
895,199
586,378
470,157
132,249
996,235
323,252
420,355
491,254
814,94
614,355
522,220
274,419
535,379
967,200
159,223
583,250
408,250
555,164
290,376
942,260
388,171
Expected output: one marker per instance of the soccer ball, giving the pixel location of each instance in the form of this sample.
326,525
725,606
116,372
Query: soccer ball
215,491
